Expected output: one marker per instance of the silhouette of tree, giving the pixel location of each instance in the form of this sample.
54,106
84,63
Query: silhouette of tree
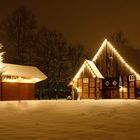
17,35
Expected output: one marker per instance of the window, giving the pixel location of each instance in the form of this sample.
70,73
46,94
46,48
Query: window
131,78
85,80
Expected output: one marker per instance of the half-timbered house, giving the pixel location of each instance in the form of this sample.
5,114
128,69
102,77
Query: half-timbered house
107,76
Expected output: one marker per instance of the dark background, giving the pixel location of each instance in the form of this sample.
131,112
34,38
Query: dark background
85,21
58,35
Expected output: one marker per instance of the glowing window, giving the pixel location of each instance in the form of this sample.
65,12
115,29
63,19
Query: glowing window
85,80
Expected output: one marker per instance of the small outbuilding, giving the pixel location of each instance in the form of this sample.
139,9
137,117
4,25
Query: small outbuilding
18,82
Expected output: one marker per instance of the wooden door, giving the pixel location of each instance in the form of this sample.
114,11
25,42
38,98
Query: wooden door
111,93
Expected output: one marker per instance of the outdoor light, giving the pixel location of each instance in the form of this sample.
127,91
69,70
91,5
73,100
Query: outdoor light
21,80
106,43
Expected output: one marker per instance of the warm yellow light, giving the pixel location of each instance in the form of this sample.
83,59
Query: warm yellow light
122,60
121,89
79,72
21,80
100,50
117,54
36,79
78,90
77,75
90,69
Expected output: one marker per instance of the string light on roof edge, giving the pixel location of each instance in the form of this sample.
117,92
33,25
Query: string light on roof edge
80,70
98,53
21,80
122,60
77,75
100,49
90,69
118,55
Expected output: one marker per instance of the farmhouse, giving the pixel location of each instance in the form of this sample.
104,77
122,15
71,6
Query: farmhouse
107,76
18,82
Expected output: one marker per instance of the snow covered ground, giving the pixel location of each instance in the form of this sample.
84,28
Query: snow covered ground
70,120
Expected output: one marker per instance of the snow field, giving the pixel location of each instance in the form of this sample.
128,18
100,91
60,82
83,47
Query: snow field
70,120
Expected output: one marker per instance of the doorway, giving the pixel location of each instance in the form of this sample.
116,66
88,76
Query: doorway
111,93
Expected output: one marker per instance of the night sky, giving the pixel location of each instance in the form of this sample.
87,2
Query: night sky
85,21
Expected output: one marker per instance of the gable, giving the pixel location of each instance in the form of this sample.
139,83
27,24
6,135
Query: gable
88,66
108,58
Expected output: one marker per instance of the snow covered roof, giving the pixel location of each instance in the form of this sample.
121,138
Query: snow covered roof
23,71
92,67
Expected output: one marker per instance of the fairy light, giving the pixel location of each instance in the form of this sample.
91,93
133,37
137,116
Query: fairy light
105,42
90,69
78,89
80,70
78,74
21,80
100,50
117,54
122,60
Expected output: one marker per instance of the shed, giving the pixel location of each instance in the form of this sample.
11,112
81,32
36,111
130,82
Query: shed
18,82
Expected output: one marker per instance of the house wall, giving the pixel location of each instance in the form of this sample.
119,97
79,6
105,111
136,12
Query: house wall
88,86
17,91
111,67
93,88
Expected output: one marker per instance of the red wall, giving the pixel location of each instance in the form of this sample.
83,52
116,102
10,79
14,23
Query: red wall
17,91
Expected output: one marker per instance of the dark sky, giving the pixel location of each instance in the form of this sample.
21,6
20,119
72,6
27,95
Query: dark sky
85,21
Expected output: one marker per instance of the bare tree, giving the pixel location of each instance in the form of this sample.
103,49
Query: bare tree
52,49
76,56
17,34
126,49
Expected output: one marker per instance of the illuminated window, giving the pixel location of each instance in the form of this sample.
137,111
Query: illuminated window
79,82
85,80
